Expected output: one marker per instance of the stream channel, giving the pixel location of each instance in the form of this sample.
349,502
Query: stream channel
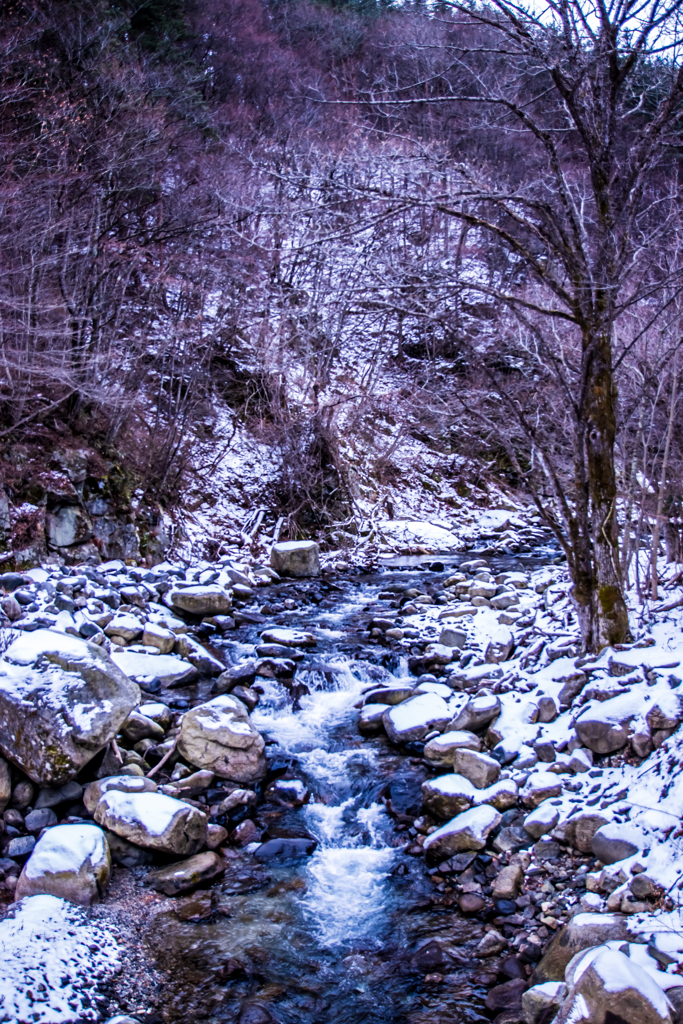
354,932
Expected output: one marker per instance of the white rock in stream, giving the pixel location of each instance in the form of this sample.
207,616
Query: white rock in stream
295,558
219,736
148,668
154,821
468,831
61,700
209,599
69,861
414,718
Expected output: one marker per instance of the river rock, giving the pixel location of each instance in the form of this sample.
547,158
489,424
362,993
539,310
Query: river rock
71,862
539,1002
289,637
125,625
480,769
153,821
122,783
507,882
581,827
447,796
371,718
295,558
605,986
391,695
138,727
540,786
61,700
208,599
501,795
186,874
542,820
441,749
477,713
155,670
604,726
414,718
617,841
220,737
467,831
158,636
492,944
580,933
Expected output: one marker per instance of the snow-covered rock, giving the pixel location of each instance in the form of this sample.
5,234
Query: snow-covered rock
542,820
540,1000
209,599
61,700
477,713
69,861
617,841
295,558
605,985
480,769
123,783
430,536
153,670
156,635
219,736
414,718
580,933
448,796
288,637
370,719
55,963
440,750
153,821
540,786
467,831
125,625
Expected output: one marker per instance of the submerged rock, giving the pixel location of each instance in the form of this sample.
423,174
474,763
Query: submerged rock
186,874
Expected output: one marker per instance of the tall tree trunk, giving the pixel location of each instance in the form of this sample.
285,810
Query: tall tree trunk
598,592
662,483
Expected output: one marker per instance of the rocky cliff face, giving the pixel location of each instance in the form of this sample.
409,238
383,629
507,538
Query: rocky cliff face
73,503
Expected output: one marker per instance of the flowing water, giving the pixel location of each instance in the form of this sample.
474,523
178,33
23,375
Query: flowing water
347,934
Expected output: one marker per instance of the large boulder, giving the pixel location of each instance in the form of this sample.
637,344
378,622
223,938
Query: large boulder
582,932
477,713
606,987
296,558
5,784
414,718
71,862
468,831
616,841
580,829
62,700
153,821
219,736
198,599
155,670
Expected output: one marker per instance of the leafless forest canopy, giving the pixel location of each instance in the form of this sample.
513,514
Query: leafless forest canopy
463,222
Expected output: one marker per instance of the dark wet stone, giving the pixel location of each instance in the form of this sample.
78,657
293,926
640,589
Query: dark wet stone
512,968
470,903
436,567
186,874
505,907
10,581
286,849
429,957
459,862
194,908
512,838
127,854
20,847
549,850
248,618
245,833
40,819
8,867
507,996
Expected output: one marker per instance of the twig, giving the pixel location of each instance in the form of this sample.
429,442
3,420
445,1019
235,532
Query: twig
163,761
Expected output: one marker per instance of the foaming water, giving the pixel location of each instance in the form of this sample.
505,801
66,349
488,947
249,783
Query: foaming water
346,895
